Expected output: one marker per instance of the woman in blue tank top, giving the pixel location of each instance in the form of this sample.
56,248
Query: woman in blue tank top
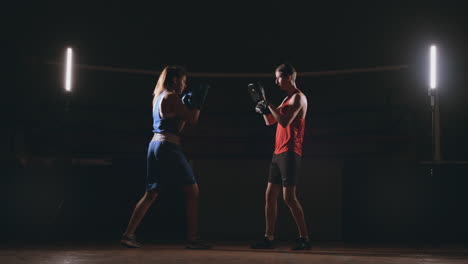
166,163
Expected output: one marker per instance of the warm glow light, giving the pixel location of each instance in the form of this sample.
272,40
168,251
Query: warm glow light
68,70
433,67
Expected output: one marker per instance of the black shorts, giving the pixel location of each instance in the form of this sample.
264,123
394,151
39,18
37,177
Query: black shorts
284,168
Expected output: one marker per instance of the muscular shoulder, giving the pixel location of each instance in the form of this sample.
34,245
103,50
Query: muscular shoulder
299,99
171,96
170,104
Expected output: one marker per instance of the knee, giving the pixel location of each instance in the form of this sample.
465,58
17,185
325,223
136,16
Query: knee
290,200
151,196
271,197
195,195
192,193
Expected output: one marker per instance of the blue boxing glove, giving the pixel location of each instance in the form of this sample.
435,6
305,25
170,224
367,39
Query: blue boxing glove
187,99
196,97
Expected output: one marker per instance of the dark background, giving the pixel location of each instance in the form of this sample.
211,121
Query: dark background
76,172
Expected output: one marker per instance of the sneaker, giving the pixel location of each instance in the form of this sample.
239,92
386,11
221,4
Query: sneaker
129,241
197,244
302,243
264,244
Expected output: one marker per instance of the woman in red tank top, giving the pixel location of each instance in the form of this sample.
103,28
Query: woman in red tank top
290,138
290,119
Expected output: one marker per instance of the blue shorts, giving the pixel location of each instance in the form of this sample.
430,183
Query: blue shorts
167,166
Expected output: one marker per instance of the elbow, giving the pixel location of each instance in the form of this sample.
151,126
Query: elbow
193,121
270,123
192,118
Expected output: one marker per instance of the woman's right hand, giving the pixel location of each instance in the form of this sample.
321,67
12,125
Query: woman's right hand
196,97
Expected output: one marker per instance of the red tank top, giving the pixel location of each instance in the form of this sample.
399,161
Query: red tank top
289,138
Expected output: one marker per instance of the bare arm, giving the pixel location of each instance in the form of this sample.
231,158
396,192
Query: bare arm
269,119
172,106
296,103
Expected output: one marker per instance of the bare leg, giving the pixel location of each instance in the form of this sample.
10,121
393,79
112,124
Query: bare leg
140,210
289,196
271,208
191,196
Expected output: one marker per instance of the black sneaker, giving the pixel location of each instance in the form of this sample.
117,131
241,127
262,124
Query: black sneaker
129,241
264,244
197,244
302,243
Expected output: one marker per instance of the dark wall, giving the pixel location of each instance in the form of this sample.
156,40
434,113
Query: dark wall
71,172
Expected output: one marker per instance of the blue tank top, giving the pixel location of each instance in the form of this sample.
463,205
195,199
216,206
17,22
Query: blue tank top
160,125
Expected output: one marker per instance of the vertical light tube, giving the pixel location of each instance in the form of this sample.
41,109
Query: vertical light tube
433,67
68,70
